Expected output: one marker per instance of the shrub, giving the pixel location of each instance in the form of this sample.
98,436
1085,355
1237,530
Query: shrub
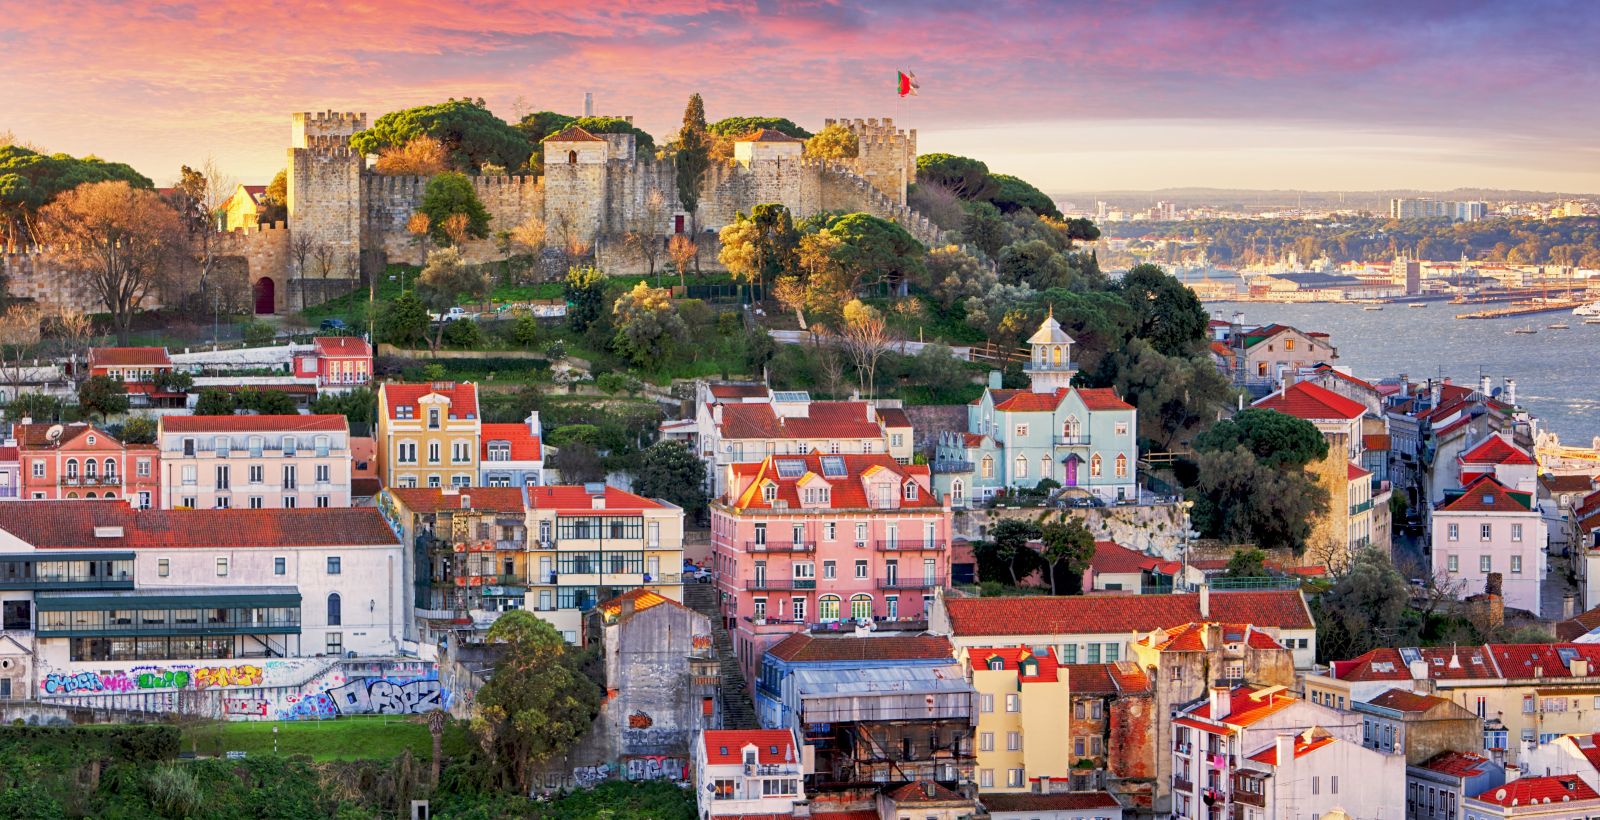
464,333
617,383
258,333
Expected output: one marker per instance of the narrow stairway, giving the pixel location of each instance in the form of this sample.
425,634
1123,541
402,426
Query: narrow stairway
738,712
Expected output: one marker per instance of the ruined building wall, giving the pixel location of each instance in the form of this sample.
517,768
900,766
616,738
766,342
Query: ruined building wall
389,201
886,155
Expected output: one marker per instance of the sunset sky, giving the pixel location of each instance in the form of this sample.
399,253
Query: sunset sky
1072,96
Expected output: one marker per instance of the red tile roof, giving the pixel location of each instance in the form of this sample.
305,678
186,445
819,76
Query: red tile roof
572,133
846,492
825,420
767,135
1010,660
567,499
35,436
1534,660
1024,401
10,453
1039,803
1578,625
1495,450
738,391
1488,495
429,500
925,791
1308,401
126,356
1403,700
1386,664
1578,483
1356,472
727,745
346,346
1129,677
1345,377
894,417
1111,557
1222,349
803,647
1526,790
1104,614
1191,637
525,446
1457,764
463,397
1375,441
642,599
252,424
1302,747
1102,398
1245,707
72,525
1090,678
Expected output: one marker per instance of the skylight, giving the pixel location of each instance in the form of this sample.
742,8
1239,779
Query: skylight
791,396
791,467
833,466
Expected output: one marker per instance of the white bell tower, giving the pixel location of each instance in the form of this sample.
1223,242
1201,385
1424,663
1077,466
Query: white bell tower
1050,366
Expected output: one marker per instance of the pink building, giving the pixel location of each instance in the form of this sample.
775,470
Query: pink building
1489,528
336,362
825,539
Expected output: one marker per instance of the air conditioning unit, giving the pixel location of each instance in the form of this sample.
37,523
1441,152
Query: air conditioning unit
861,545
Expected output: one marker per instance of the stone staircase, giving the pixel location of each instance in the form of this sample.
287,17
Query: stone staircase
738,712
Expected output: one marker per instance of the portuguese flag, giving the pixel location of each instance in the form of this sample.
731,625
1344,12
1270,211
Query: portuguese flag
908,84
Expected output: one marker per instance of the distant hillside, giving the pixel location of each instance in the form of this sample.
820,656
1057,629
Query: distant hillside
1249,200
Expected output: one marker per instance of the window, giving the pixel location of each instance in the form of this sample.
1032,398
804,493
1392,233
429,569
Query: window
433,418
799,607
1122,466
433,452
769,492
461,451
222,476
1022,466
322,473
1516,532
256,472
222,567
407,453
1485,563
189,474
861,569
828,608
1288,344
829,530
289,445
1452,564
335,643
38,469
1516,564
1013,703
1316,784
988,467
289,477
861,607
334,607
1021,430
1122,428
830,569
1333,784
861,534
334,565
986,705
1014,778
911,491
760,609
986,776
1094,466
1453,532
280,566
1013,741
289,502
1485,532
164,568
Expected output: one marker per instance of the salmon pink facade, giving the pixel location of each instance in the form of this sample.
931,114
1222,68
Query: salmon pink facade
822,541
83,461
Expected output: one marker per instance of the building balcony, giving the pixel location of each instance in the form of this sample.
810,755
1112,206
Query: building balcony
1072,441
1357,509
911,583
780,546
909,545
1182,784
1048,367
781,583
440,614
1247,798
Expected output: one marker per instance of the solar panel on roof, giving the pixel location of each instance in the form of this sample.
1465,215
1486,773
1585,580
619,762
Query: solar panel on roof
791,396
791,468
833,466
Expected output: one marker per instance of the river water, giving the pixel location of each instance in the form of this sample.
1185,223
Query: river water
1557,371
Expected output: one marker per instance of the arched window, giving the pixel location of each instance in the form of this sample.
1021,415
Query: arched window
1055,355
988,466
88,495
828,608
91,468
1069,428
572,157
958,491
72,494
72,468
861,607
335,616
1094,465
1122,466
111,468
1022,466
1045,467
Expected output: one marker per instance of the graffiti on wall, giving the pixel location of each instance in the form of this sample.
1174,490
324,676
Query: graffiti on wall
654,767
150,678
590,776
369,696
250,707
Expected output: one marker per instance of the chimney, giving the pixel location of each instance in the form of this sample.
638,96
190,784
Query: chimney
1511,392
1221,702
627,606
1433,393
1405,386
466,501
588,103
1285,747
1568,605
1483,386
994,380
1493,584
1205,601
1579,667
1419,669
1513,771
927,788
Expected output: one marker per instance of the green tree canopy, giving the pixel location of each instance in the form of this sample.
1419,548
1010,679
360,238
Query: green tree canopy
359,406
448,195
40,407
265,402
672,471
537,703
691,154
1006,554
1013,194
585,290
644,145
578,463
403,321
1276,439
446,282
473,136
1247,562
1176,397
1068,550
1240,500
29,180
1367,607
102,396
966,177
732,127
649,329
214,402
540,124
876,251
138,430
1166,312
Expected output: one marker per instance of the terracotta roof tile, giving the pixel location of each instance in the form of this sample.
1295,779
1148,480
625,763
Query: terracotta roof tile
428,500
772,745
1354,472
1027,402
1302,747
72,525
525,446
1579,483
767,135
571,498
738,391
1011,658
1102,614
845,492
1526,790
1404,700
1495,450
342,346
1578,625
925,791
1375,441
1111,557
1067,801
893,417
1308,401
126,356
251,424
463,397
1456,764
1102,398
572,133
1489,495
642,599
803,647
1245,708
825,420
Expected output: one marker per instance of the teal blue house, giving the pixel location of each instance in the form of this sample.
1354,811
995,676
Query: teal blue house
1082,438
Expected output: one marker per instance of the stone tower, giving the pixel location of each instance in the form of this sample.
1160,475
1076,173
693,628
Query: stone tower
1050,365
575,168
325,182
887,156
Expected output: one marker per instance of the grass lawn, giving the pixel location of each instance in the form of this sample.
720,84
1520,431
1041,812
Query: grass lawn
351,738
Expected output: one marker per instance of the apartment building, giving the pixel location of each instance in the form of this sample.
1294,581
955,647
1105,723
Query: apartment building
79,460
136,368
254,462
1489,533
472,555
1024,716
429,435
744,773
512,455
821,539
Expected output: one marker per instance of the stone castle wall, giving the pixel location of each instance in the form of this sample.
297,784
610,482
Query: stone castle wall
30,274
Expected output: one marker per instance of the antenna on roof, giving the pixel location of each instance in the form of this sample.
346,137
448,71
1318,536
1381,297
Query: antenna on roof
54,433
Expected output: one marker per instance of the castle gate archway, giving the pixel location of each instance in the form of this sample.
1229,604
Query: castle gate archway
266,296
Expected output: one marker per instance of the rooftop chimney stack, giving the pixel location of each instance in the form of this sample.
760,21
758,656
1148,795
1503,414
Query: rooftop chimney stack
1221,702
1511,392
1483,386
1205,601
1284,745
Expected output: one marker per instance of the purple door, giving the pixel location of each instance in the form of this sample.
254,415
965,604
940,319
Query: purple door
1072,471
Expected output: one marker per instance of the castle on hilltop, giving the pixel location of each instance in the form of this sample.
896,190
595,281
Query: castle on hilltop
594,192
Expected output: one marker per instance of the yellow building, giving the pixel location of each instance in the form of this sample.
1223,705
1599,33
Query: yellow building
1024,706
428,434
244,206
592,543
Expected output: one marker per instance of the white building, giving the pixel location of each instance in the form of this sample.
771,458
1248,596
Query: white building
1314,774
748,773
254,462
1560,797
93,589
512,454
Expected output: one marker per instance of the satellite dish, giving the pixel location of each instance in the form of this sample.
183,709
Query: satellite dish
54,433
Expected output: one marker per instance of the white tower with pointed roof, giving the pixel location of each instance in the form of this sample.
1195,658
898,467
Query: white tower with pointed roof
1050,366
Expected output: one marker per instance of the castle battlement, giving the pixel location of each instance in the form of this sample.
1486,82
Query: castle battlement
308,126
260,227
333,118
333,144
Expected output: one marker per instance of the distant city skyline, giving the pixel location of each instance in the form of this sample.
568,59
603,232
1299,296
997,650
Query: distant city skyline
1071,96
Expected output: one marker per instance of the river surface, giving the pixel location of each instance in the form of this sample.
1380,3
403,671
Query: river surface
1557,371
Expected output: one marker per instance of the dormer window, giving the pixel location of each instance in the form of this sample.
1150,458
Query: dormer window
1029,668
433,418
769,492
749,757
91,439
911,491
996,664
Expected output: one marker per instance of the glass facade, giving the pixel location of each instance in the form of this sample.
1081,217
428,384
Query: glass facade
145,648
168,621
584,563
600,526
99,572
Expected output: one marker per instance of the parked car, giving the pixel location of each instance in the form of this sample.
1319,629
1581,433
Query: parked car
334,324
451,315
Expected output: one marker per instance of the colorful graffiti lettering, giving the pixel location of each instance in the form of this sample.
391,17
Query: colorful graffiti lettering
640,720
315,706
385,697
653,767
164,679
146,678
244,706
589,776
58,684
242,675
